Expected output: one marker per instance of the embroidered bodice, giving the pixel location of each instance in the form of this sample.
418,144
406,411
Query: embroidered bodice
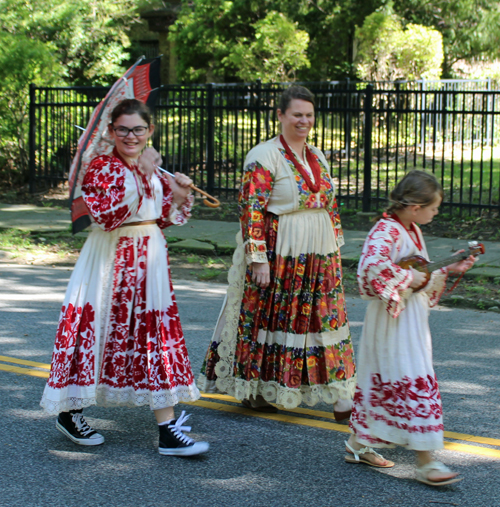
271,184
116,194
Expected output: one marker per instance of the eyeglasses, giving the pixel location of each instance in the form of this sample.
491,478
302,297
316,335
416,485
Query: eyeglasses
124,131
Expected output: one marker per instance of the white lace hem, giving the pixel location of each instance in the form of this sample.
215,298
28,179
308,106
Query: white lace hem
112,397
286,397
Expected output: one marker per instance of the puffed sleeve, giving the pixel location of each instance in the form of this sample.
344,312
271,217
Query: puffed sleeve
256,187
171,214
378,275
110,192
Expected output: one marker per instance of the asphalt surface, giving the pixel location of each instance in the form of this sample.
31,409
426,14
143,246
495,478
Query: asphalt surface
252,461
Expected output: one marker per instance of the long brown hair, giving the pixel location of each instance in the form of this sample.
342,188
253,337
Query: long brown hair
417,188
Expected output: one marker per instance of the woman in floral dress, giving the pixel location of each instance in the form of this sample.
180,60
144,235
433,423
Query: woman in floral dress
282,335
119,339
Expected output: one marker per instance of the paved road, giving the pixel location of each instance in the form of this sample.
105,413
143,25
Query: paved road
295,459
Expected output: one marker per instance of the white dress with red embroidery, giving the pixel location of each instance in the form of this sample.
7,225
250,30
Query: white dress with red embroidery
397,398
119,339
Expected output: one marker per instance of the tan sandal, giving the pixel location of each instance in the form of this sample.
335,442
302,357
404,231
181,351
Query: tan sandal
356,458
423,474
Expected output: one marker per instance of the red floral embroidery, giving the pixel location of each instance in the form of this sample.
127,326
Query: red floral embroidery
394,233
145,349
384,251
408,404
168,196
378,286
378,275
73,358
255,191
407,398
103,191
387,274
307,297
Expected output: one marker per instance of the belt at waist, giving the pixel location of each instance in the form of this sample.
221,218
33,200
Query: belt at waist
145,222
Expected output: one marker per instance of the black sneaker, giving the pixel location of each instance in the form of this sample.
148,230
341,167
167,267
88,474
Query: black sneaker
75,427
173,442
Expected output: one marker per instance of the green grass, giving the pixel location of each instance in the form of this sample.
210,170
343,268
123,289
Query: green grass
208,274
62,243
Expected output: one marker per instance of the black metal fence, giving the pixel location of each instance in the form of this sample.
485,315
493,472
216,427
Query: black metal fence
371,136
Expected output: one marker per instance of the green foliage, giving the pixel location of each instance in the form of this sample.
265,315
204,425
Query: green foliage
207,274
276,53
222,40
211,37
208,31
22,61
51,42
88,37
387,52
420,53
377,42
469,27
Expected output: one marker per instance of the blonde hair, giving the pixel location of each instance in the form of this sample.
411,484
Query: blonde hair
417,188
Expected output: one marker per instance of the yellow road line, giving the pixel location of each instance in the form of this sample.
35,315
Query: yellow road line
14,360
24,371
272,417
472,449
472,438
298,410
281,417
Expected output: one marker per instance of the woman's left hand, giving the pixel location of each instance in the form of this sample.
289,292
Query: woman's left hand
149,160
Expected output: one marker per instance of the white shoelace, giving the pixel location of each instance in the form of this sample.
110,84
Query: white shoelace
178,428
81,424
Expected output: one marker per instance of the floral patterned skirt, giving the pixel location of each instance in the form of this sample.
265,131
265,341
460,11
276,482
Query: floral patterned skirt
397,398
119,340
291,341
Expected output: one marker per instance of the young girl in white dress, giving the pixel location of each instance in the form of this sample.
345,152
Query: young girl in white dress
397,400
119,339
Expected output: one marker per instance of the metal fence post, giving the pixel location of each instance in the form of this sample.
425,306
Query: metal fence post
210,147
31,142
367,171
258,106
348,122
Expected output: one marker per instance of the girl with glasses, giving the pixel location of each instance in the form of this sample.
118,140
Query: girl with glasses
119,339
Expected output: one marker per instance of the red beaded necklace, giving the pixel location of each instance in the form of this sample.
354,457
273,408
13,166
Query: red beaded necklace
413,228
313,164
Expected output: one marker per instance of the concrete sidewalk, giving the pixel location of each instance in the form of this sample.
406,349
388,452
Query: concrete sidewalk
211,237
